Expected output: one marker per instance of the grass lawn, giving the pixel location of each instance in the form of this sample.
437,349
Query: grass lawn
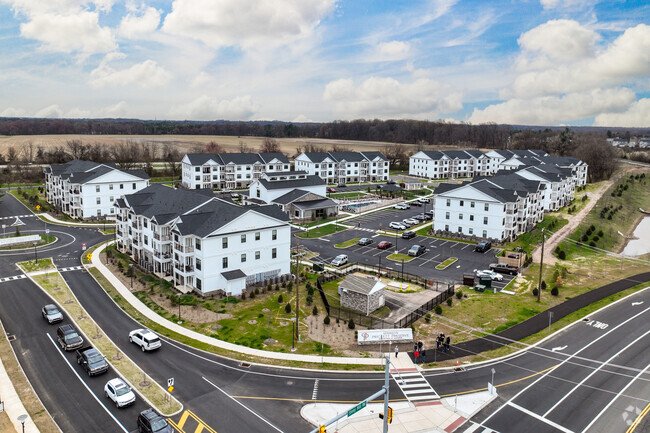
32,197
612,213
54,284
448,262
45,240
528,241
400,257
322,231
348,243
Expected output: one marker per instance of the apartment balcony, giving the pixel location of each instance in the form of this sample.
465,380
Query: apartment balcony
258,169
162,256
183,249
206,170
184,269
230,170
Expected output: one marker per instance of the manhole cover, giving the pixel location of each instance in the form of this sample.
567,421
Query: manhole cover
11,337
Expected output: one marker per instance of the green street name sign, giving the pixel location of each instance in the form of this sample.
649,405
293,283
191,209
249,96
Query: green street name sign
357,408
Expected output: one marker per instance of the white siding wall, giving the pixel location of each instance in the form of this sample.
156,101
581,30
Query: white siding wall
495,215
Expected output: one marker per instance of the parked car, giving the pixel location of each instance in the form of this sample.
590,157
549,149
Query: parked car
420,217
406,224
401,206
430,212
397,225
408,234
416,250
92,361
341,185
330,190
118,391
149,421
51,313
340,260
424,200
488,273
410,221
384,245
144,338
416,203
483,246
428,216
504,268
68,337
365,241
390,182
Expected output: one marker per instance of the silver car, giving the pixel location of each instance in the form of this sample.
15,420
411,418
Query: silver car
487,273
51,313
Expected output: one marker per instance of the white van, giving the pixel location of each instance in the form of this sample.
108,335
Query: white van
340,260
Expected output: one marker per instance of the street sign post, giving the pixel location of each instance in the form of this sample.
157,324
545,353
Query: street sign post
83,246
170,381
357,408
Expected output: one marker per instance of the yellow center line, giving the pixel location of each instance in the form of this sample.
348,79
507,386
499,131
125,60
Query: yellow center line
638,419
181,423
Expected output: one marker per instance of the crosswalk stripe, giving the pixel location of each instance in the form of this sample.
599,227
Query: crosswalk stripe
415,387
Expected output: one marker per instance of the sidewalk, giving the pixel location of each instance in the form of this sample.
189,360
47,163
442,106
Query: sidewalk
441,416
12,404
51,219
149,314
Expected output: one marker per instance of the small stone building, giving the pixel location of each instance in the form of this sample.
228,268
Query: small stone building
364,294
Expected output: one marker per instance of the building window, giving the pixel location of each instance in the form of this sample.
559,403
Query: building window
462,202
486,207
485,220
446,227
460,229
243,239
99,200
460,216
446,215
198,264
471,217
448,202
197,242
274,253
198,284
112,198
471,204
110,186
96,188
224,243
99,212
257,236
121,186
145,223
485,233
257,255
146,240
274,235
197,169
224,262
471,231
504,221
243,258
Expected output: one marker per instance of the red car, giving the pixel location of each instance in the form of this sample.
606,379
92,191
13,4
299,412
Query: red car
384,244
331,190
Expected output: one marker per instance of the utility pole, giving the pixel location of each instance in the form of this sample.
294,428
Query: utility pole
541,265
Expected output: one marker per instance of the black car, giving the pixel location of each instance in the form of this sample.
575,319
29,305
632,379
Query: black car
427,216
408,234
365,241
420,217
416,203
150,422
68,337
341,185
483,246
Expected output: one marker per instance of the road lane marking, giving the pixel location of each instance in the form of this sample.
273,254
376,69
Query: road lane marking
615,398
180,426
85,385
618,352
638,419
542,419
314,393
242,405
566,360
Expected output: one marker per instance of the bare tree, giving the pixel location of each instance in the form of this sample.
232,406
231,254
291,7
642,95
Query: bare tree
76,148
172,158
243,147
213,147
597,153
270,145
396,154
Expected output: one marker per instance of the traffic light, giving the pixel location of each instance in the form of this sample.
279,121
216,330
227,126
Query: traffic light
381,415
322,429
390,414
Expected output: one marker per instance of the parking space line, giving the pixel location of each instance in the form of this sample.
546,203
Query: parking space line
445,242
466,245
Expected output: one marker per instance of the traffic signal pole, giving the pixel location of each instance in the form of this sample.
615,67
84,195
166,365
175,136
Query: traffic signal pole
384,391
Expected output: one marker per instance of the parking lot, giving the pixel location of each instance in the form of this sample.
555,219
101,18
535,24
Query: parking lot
382,219
438,250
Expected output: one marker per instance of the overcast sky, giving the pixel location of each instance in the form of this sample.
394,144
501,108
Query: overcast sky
537,62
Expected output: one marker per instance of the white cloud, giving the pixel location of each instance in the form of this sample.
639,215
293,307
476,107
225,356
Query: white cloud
301,118
51,112
138,24
551,110
117,110
387,97
567,4
146,74
626,58
68,33
393,50
201,80
207,108
638,115
245,23
12,112
77,113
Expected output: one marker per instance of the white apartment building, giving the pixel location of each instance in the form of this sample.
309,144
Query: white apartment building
85,189
302,196
498,208
229,170
559,184
344,167
449,164
204,243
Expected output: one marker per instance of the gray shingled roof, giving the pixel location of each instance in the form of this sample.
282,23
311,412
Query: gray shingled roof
80,172
236,158
357,284
310,180
164,203
234,275
291,196
316,204
372,155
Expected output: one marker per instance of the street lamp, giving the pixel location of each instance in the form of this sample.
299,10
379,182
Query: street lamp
131,272
22,419
35,255
493,377
293,334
